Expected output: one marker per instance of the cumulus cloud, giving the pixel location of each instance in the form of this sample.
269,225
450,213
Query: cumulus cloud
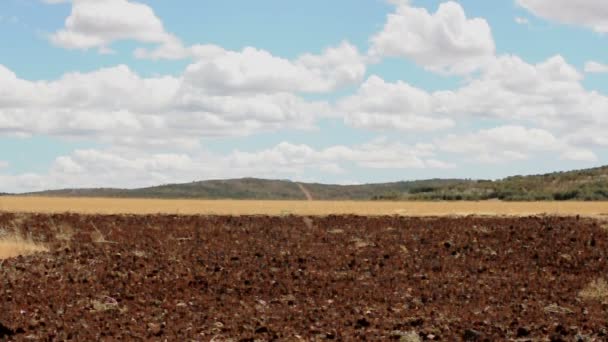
99,23
132,168
377,154
510,143
223,93
592,14
579,154
117,105
379,105
445,41
593,67
252,70
113,88
590,136
548,94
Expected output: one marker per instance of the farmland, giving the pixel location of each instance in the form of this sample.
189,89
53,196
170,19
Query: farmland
285,277
249,207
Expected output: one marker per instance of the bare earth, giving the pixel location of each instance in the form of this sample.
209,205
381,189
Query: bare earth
290,278
232,207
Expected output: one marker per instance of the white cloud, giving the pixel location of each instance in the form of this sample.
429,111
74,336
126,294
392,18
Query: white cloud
522,20
548,94
98,168
99,23
4,164
115,88
580,155
379,105
590,136
117,105
510,143
223,93
446,41
593,67
592,14
377,154
539,108
132,168
253,71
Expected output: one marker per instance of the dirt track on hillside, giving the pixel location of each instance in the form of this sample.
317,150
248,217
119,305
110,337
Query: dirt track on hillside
289,278
305,191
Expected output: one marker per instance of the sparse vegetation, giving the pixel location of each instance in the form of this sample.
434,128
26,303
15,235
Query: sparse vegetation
64,233
580,185
14,245
106,304
259,189
596,290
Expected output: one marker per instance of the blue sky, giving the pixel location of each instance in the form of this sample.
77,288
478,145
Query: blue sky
125,93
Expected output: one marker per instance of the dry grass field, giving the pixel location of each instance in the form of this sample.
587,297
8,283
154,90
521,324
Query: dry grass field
242,207
13,245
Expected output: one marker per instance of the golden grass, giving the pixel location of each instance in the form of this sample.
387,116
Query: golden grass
246,207
13,245
596,290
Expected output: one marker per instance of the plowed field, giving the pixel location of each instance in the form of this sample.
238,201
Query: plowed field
247,278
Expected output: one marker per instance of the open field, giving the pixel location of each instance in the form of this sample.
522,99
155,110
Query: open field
290,278
238,207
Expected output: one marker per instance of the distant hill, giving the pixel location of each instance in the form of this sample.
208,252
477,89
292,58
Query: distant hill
589,185
254,188
586,185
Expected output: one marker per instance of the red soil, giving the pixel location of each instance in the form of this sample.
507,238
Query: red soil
283,278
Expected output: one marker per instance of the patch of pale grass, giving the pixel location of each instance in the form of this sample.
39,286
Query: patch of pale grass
98,237
64,232
596,290
410,336
106,304
13,245
556,309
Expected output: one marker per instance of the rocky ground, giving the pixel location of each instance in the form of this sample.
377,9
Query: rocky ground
191,278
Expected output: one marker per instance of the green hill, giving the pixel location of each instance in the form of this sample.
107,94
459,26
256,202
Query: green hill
588,185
